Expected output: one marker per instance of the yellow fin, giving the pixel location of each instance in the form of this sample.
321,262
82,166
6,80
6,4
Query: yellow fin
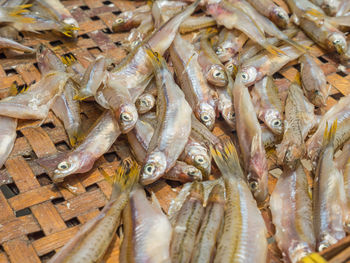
329,135
17,12
124,177
273,50
156,59
68,30
314,12
68,59
15,89
297,79
313,258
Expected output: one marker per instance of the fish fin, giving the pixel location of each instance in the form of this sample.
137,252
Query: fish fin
227,159
68,60
298,46
297,79
16,14
273,50
188,62
68,29
314,12
16,89
156,59
123,178
313,258
77,137
329,135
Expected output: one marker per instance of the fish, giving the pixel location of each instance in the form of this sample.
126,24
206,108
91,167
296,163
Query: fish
186,225
229,16
93,77
81,160
213,69
36,102
251,48
209,231
8,136
272,11
145,103
291,208
268,105
142,237
13,14
329,198
197,154
58,11
340,112
243,235
299,120
225,104
192,81
313,81
194,23
265,25
173,123
11,44
128,20
321,31
183,173
65,107
202,134
250,140
257,67
230,43
130,78
93,238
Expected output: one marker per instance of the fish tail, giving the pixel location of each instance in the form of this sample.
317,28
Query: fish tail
16,14
301,48
227,159
329,135
68,30
16,89
273,50
124,177
156,59
77,136
68,60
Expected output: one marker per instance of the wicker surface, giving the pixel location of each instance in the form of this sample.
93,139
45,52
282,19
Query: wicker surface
37,217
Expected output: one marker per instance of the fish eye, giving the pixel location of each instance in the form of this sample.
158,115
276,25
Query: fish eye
149,169
245,76
199,159
230,66
135,43
317,92
126,117
218,74
63,165
144,102
192,172
219,51
253,185
276,123
119,20
280,15
336,42
322,247
205,118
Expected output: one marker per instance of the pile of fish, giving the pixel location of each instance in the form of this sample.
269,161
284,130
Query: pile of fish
189,67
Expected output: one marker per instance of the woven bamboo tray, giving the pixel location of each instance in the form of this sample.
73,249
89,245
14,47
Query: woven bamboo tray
38,217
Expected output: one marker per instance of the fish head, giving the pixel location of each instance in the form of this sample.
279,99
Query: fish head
319,97
280,17
47,60
193,173
338,42
199,157
124,22
74,163
154,168
127,117
249,75
228,113
145,103
274,122
225,51
206,114
71,27
258,176
217,76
